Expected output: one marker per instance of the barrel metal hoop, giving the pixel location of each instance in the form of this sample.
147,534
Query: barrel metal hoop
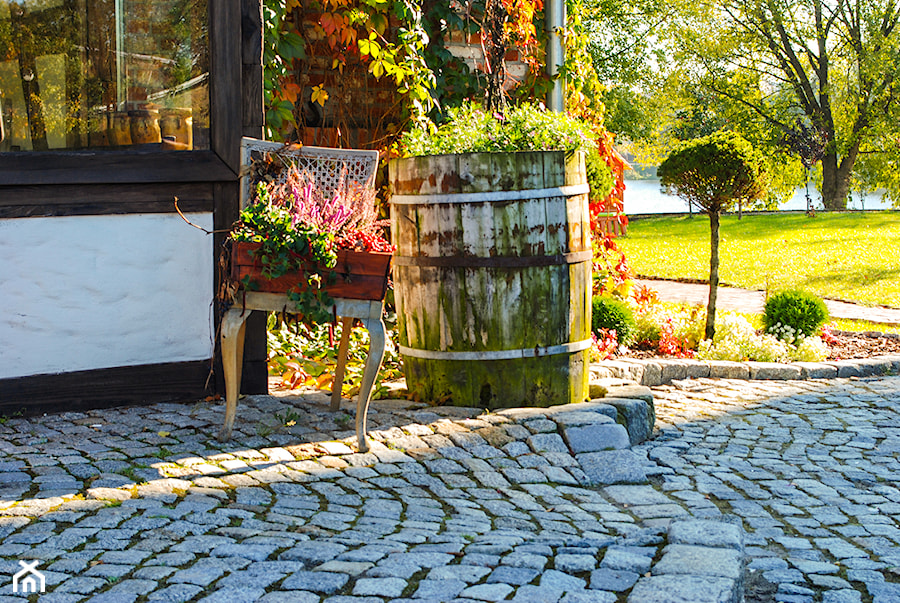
537,351
492,196
473,261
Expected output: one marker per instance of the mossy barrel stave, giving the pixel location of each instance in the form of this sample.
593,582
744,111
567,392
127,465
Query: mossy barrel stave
492,277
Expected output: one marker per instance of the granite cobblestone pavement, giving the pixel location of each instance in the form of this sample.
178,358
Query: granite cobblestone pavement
811,469
788,483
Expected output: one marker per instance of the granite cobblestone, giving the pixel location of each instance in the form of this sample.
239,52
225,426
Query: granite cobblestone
798,477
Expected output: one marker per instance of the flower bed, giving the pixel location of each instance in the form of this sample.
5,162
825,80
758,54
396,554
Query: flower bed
667,330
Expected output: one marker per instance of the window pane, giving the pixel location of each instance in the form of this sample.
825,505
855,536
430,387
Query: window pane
79,74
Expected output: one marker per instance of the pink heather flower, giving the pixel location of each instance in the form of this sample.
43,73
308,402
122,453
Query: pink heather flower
349,210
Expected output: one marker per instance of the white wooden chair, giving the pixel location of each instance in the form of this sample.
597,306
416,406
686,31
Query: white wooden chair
328,167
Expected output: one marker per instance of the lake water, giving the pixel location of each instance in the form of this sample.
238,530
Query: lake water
645,197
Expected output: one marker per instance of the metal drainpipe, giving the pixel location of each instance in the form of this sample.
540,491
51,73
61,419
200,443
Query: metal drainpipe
554,23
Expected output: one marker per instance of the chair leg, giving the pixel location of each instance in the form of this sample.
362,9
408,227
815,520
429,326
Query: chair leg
233,328
343,349
374,359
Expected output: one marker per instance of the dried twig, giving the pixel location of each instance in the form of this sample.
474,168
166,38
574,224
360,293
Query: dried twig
183,217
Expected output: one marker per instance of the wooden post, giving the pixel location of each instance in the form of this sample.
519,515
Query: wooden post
256,372
242,81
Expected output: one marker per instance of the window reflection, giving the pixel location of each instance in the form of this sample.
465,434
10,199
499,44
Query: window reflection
78,74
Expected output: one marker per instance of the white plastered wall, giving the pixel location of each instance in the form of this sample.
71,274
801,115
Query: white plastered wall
92,292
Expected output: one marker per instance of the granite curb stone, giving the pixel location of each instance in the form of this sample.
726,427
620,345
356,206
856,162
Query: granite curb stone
685,589
773,370
637,415
613,467
596,437
654,372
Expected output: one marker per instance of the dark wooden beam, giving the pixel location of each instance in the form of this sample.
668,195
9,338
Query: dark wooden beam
104,388
225,85
112,167
98,199
253,118
255,370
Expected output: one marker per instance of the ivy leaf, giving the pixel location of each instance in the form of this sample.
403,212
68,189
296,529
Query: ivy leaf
291,91
274,119
319,95
369,48
327,23
297,44
348,35
379,22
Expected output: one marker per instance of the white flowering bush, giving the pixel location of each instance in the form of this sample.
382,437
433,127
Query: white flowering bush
811,349
800,346
737,340
785,333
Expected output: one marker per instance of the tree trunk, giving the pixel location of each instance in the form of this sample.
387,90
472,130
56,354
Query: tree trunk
34,108
835,183
493,43
713,274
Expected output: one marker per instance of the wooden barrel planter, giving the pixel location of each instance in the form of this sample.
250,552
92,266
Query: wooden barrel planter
492,277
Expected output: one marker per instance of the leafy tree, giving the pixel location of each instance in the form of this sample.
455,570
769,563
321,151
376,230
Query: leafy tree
825,67
629,53
713,173
687,110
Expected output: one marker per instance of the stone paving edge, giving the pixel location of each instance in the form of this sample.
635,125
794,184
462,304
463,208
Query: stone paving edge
663,371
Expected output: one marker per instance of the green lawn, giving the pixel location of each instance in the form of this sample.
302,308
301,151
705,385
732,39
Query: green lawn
850,256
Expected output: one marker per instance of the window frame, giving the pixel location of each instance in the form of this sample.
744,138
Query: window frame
220,163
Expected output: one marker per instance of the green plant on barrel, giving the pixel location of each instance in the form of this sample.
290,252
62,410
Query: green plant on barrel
612,314
802,312
527,127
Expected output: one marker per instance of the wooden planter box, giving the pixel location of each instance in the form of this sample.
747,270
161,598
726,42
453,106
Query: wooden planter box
360,274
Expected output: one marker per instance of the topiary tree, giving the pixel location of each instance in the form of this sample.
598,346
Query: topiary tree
714,173
803,312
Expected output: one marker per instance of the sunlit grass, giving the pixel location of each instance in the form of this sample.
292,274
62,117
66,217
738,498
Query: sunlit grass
849,256
860,326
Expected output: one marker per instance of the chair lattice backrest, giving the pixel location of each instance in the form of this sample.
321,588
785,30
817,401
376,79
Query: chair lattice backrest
329,167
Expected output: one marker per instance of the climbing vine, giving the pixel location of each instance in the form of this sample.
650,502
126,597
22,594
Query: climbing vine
321,54
282,45
382,65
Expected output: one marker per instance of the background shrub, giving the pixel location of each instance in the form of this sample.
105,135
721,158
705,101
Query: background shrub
599,176
802,311
612,313
647,329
